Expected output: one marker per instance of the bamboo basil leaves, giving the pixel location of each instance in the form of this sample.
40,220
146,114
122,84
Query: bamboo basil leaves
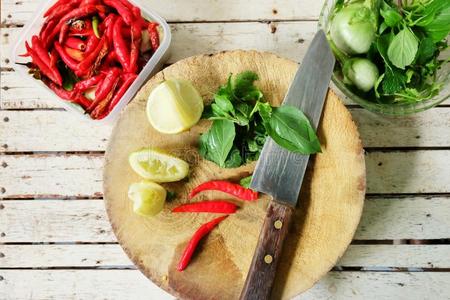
242,120
389,51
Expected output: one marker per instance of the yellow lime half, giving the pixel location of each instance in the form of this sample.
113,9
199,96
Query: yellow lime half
158,166
174,106
148,198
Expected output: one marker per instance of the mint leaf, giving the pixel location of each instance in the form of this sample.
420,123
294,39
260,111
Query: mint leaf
243,87
234,159
291,129
394,80
403,48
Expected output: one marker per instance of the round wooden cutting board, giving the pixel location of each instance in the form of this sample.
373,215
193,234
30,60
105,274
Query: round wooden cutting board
326,218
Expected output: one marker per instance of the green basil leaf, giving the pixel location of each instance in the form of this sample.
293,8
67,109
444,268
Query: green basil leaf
245,182
216,143
426,50
382,46
390,15
403,48
439,28
291,129
234,159
224,103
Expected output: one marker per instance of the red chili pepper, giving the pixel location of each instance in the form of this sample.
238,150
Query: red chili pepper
109,59
60,92
196,238
217,206
82,101
136,40
91,43
43,67
93,58
109,24
127,4
121,91
66,58
154,35
105,87
138,16
63,32
89,2
119,45
76,43
74,53
53,57
102,107
90,82
53,8
48,29
226,187
58,13
39,49
81,28
74,14
123,11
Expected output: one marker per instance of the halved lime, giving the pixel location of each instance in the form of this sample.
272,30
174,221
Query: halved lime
158,166
174,106
148,198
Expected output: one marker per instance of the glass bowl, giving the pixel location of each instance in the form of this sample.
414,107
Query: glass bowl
442,76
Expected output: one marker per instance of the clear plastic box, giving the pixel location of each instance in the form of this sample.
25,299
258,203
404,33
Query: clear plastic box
153,65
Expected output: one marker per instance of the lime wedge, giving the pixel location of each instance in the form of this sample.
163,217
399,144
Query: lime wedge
158,166
174,106
148,198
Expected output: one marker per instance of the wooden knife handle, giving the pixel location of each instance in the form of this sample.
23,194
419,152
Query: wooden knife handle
261,275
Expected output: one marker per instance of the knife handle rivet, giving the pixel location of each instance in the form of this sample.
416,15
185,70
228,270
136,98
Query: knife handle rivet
268,259
278,224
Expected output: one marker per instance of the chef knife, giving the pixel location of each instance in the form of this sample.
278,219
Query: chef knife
280,172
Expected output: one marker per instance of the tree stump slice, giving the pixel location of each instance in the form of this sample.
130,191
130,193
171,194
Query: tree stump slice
330,206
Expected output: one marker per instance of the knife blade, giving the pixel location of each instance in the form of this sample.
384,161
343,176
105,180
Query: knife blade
280,172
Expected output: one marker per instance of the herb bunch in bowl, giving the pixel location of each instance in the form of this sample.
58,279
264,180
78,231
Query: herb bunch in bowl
390,52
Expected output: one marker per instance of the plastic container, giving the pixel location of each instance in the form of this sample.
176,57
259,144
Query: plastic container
392,109
153,65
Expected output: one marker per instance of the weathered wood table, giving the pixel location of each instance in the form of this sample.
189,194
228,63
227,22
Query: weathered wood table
55,239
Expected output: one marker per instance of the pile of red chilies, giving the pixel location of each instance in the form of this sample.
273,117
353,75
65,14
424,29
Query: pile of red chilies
216,206
105,43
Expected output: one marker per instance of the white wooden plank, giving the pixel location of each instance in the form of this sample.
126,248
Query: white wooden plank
399,256
59,256
112,256
77,284
131,284
86,220
408,172
380,285
430,128
54,221
383,218
79,175
25,131
59,175
19,12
